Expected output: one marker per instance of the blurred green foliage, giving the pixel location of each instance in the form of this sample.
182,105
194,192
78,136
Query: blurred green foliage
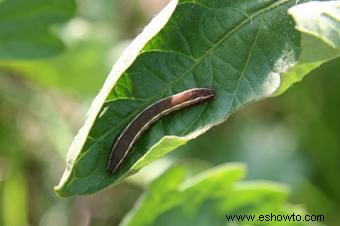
203,199
25,27
43,102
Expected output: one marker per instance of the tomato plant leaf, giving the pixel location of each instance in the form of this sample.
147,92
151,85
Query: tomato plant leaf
240,49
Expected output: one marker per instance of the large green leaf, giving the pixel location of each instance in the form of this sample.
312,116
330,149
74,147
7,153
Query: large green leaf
238,48
25,27
206,199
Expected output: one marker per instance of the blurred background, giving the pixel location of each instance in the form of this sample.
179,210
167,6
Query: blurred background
292,139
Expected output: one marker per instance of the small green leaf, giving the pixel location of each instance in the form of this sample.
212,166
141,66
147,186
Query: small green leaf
25,27
319,24
240,49
207,198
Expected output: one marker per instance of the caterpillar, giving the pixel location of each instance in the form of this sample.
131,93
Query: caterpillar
125,141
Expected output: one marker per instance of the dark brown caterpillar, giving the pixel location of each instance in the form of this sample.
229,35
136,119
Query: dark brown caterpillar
126,140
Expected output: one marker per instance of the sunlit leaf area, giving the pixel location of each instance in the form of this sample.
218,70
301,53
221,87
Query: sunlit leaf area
271,146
